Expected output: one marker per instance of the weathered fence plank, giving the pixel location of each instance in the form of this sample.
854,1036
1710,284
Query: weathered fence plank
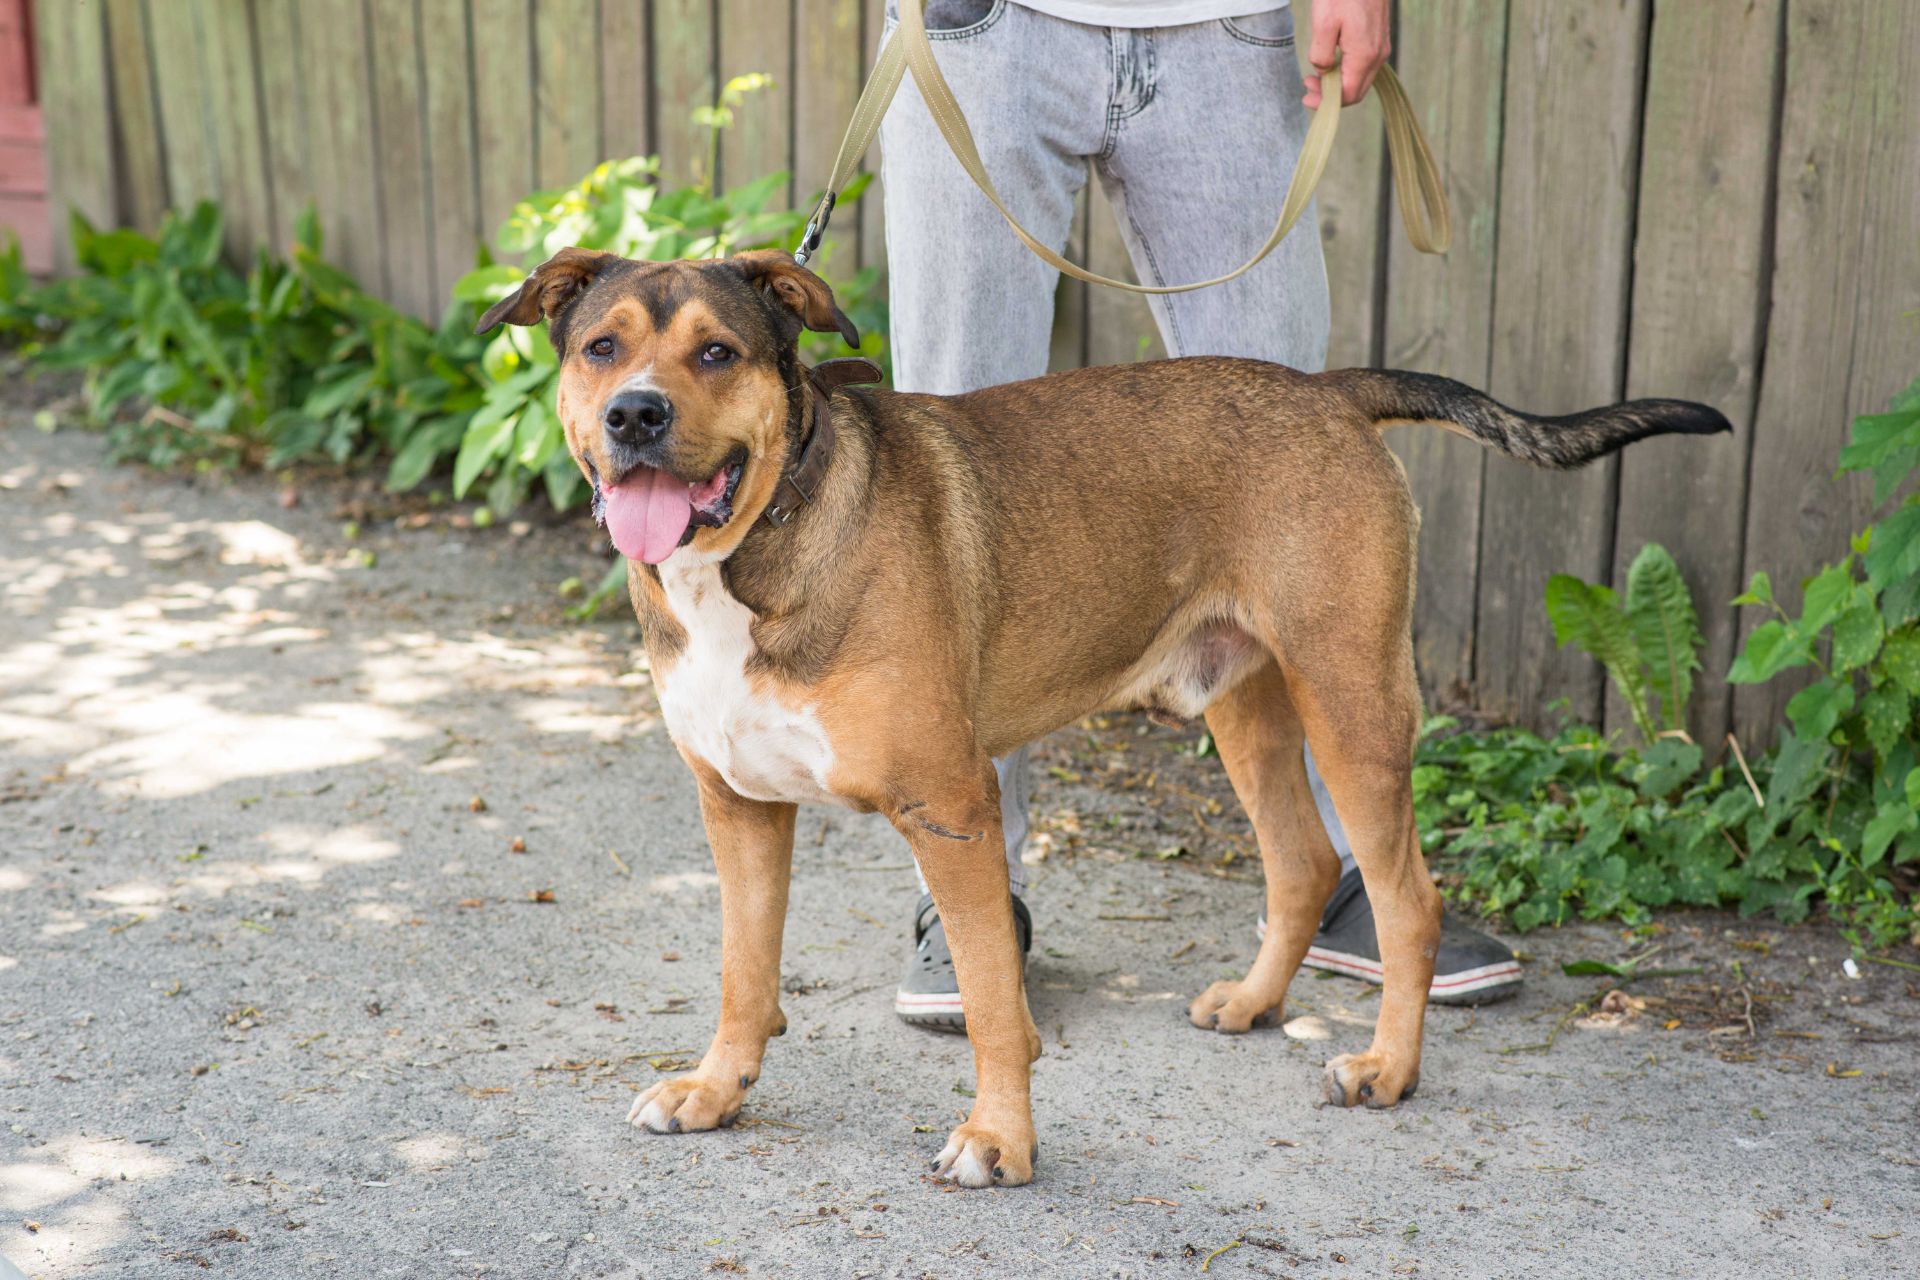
340,136
626,68
231,99
1840,337
827,62
566,100
757,35
684,45
283,110
1568,164
139,141
406,218
452,178
503,122
178,40
1698,299
1439,311
75,97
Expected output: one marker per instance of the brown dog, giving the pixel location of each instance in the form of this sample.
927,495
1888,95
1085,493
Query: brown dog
864,604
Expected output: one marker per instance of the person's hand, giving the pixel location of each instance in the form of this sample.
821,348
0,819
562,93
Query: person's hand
1362,32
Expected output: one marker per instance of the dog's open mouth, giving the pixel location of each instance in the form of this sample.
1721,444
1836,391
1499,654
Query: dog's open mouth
650,513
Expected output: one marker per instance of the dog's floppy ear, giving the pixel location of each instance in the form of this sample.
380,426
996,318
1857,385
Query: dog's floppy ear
793,288
553,284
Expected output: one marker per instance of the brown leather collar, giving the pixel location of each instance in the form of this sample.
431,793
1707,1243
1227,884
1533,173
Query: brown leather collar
801,480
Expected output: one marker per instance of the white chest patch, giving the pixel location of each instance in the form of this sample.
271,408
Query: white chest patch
765,749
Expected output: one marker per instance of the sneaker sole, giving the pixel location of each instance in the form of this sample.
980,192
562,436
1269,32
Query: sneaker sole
1469,986
936,1012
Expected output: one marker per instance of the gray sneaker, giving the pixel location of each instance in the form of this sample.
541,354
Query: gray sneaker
929,995
1470,968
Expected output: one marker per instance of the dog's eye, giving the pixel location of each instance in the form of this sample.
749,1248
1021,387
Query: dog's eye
600,348
716,353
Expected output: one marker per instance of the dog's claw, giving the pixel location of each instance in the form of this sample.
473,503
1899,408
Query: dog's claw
687,1104
1356,1078
976,1157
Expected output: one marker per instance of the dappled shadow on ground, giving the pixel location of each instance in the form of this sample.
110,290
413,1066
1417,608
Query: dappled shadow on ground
210,705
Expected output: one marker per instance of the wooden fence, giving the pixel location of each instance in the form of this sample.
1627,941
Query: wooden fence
1709,198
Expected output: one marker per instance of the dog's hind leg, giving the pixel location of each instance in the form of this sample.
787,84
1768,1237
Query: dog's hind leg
1257,732
1360,706
753,854
954,828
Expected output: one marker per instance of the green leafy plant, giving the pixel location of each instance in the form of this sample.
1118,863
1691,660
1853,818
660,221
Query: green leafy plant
623,207
1850,759
1649,644
288,362
1550,829
188,360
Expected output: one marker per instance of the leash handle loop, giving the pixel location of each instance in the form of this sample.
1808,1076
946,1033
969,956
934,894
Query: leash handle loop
1418,187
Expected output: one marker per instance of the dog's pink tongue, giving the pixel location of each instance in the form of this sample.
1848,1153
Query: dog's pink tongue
647,514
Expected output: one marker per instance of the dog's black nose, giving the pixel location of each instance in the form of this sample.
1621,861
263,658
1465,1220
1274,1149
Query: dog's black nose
638,417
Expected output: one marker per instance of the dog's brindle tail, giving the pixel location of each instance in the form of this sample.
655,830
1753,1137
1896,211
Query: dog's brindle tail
1393,398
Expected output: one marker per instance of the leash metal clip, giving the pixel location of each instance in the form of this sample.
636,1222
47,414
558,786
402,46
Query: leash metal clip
816,228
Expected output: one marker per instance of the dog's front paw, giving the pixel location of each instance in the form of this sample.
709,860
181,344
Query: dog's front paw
689,1103
977,1155
1235,1007
1373,1078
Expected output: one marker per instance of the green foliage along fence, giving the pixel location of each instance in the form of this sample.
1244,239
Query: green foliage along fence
1708,199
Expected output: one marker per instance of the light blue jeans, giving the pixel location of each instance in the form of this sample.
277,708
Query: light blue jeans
1192,131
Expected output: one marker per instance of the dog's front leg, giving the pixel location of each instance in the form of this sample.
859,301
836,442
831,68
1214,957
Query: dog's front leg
957,841
753,854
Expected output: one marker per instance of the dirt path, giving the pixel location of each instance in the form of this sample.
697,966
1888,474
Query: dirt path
281,997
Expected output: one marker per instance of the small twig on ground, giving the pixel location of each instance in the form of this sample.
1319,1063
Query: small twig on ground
1898,964
1745,772
1227,1247
1136,918
1546,1046
625,870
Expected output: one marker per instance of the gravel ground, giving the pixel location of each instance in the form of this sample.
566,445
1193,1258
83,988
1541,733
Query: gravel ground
348,893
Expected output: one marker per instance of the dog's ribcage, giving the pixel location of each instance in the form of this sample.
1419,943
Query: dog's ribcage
765,749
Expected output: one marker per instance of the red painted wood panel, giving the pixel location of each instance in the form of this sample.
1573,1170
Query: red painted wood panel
16,54
23,152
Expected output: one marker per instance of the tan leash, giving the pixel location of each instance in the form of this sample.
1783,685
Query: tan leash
1416,178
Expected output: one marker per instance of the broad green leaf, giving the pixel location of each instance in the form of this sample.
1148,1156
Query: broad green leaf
1770,649
1900,659
1856,634
336,393
423,448
1666,630
1885,714
1893,820
481,444
1816,709
1797,768
488,284
1666,766
1894,555
1827,592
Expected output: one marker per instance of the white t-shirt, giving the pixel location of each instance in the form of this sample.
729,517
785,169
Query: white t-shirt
1149,13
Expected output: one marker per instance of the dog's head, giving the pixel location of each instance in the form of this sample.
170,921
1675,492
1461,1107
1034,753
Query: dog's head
677,385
